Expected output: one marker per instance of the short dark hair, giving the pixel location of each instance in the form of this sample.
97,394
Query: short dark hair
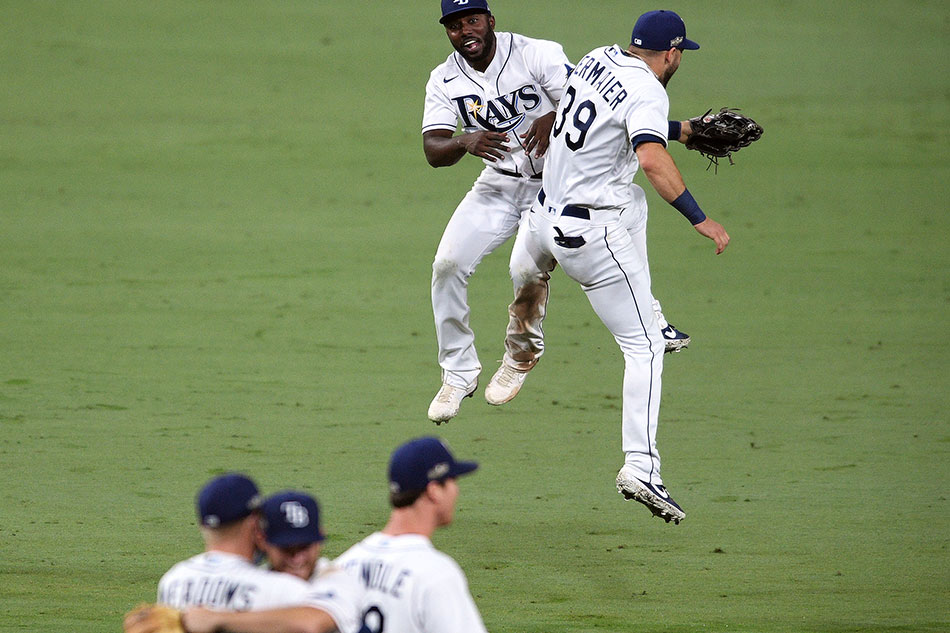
406,498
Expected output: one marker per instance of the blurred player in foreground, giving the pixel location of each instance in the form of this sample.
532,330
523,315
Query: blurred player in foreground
224,577
291,537
411,587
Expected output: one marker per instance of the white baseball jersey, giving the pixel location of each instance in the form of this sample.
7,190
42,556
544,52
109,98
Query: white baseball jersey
228,582
324,564
611,99
411,587
524,81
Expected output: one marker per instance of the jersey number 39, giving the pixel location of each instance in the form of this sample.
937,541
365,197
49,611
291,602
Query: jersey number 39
583,117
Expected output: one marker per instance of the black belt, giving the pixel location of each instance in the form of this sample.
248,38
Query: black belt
570,210
514,174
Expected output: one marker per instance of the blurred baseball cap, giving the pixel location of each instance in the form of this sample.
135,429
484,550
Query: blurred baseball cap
422,460
454,7
226,499
291,518
661,31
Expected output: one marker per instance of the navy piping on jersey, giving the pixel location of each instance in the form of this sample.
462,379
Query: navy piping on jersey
462,68
511,46
646,138
652,353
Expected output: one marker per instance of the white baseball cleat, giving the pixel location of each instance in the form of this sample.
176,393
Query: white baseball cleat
446,403
505,384
653,496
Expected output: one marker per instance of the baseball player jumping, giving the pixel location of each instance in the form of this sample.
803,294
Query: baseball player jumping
591,219
503,89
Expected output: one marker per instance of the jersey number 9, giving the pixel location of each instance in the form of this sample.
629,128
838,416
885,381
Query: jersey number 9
583,118
373,621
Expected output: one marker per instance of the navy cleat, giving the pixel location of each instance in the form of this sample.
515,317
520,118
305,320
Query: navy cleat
676,341
653,496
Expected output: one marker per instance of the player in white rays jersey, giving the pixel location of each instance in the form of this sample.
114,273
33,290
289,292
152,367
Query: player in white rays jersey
222,586
411,587
224,575
502,88
591,219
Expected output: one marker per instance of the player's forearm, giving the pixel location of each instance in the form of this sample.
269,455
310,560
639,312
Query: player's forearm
443,151
665,177
289,620
660,170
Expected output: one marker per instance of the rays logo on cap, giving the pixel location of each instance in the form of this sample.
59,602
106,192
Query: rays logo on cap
438,471
676,41
295,514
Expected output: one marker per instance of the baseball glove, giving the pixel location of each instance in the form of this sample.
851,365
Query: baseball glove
153,618
721,134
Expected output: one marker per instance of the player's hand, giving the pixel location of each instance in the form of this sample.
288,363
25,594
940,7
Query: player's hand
491,146
200,620
538,136
714,231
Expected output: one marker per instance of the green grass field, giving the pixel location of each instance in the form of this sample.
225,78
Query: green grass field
216,232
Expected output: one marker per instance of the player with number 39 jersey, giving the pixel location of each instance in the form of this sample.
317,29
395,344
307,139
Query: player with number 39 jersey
590,218
613,98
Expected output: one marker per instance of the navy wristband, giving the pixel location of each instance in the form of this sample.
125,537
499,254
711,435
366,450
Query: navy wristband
676,128
688,206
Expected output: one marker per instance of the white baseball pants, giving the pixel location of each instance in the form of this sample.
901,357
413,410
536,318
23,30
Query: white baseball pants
612,268
484,220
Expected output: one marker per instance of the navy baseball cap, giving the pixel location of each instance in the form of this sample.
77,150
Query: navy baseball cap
291,518
661,31
422,460
226,499
453,7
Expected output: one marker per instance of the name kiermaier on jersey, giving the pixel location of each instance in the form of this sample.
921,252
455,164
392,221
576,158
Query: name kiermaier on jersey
502,113
601,80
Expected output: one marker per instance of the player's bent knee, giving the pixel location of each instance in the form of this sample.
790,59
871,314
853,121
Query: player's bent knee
442,268
525,277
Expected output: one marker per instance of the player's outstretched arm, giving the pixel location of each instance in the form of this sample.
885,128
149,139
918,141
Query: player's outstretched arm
443,149
665,177
288,620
